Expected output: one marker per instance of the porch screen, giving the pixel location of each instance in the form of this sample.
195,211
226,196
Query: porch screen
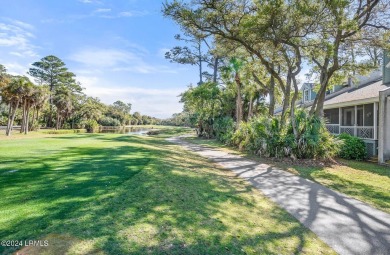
369,115
348,116
332,116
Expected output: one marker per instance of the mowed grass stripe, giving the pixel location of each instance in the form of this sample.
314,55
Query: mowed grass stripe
118,194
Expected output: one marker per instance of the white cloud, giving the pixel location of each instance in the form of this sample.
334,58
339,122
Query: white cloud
89,1
133,13
16,36
16,68
96,57
118,60
161,103
102,10
105,13
21,24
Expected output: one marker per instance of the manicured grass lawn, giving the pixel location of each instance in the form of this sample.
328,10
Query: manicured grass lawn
120,194
365,181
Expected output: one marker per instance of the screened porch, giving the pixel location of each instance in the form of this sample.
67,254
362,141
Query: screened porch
358,120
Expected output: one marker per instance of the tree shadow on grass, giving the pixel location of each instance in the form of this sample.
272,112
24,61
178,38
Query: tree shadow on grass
144,196
368,167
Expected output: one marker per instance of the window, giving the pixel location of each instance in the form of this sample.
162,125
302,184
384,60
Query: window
306,95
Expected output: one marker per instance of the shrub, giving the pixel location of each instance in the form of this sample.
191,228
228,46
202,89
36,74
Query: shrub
91,126
35,127
109,122
265,136
313,140
352,148
224,129
262,135
242,137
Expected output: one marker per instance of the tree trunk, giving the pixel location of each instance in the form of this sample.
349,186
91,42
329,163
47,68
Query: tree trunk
318,104
271,93
32,120
38,114
58,121
286,104
23,116
215,73
238,100
292,111
9,118
250,110
200,63
27,118
8,133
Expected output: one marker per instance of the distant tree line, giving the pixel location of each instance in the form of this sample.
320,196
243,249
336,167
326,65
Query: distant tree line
56,100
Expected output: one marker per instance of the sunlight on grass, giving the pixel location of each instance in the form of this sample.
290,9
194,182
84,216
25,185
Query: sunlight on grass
364,181
119,194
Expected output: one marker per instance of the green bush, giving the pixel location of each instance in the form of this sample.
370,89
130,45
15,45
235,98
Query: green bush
352,147
313,140
262,135
224,129
242,137
109,122
267,137
35,127
91,126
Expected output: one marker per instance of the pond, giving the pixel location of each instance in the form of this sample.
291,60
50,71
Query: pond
125,130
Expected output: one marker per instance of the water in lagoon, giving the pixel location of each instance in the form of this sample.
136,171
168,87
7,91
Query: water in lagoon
125,130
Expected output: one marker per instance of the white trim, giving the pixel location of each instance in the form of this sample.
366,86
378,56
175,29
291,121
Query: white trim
352,103
308,95
340,117
355,120
375,120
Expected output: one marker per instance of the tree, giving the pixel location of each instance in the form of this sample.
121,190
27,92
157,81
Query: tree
63,100
4,77
120,111
345,25
52,71
195,54
39,99
233,69
12,94
27,99
258,27
137,117
202,102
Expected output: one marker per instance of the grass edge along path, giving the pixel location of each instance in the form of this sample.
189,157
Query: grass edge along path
119,194
364,181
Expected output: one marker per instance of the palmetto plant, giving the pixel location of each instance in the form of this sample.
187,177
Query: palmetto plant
267,137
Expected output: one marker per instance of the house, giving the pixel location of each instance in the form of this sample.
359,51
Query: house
360,109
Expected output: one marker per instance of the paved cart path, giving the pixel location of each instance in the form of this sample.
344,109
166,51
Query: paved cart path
347,225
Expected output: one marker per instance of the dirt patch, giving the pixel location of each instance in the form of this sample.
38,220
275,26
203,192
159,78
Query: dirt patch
303,162
54,244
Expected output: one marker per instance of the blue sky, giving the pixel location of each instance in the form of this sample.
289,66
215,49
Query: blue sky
116,48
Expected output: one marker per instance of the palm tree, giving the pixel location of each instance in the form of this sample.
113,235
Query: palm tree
63,100
39,99
12,94
28,90
232,72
